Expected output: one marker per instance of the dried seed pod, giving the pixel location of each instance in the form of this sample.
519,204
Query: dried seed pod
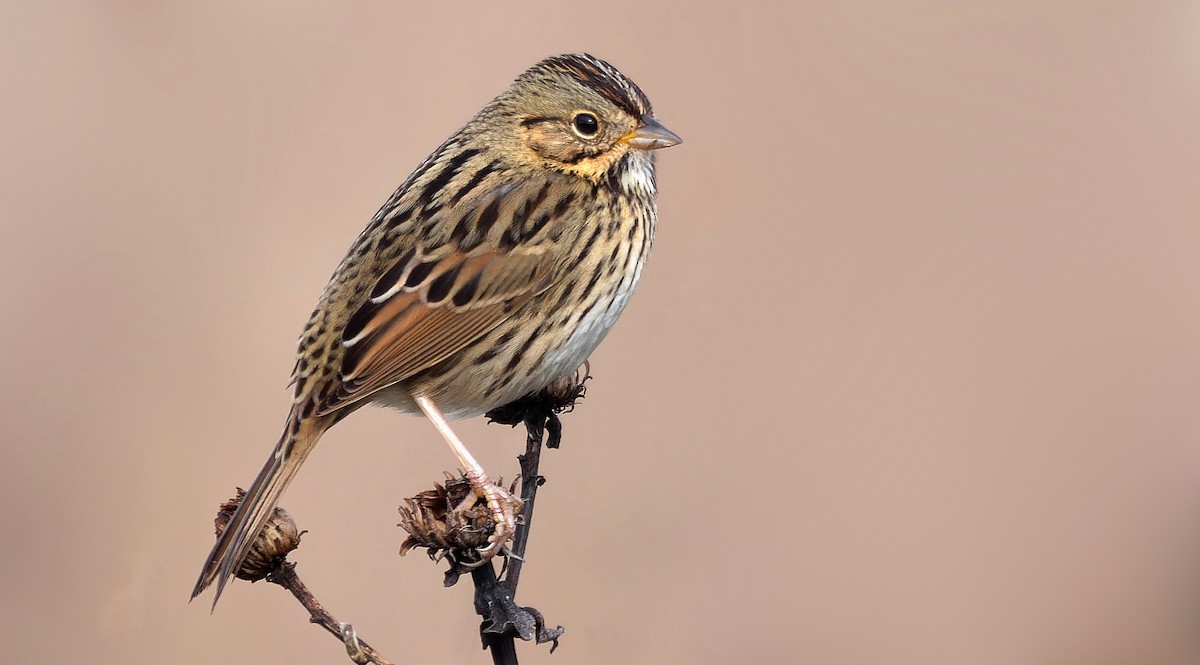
449,518
278,538
558,397
563,393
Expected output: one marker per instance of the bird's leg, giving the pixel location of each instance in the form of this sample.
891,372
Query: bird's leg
501,502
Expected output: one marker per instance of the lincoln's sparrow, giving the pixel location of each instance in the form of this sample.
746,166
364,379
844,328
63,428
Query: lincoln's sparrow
495,269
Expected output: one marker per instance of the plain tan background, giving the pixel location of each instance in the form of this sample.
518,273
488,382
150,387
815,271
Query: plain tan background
912,376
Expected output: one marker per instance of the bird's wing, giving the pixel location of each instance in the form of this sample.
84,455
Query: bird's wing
429,304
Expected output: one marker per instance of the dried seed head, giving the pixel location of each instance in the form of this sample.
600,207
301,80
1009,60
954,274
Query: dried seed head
278,538
448,519
558,397
563,393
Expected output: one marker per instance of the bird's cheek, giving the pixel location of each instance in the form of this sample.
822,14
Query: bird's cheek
551,145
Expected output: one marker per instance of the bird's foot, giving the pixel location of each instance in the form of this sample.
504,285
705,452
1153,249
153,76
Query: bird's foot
503,506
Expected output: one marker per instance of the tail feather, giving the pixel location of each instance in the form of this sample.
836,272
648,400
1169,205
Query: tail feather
235,542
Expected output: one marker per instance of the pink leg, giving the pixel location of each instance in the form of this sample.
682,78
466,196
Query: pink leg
499,500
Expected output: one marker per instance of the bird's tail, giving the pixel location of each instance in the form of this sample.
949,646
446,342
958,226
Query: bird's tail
235,542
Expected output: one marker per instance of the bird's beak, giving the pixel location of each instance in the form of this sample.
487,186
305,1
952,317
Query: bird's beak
651,135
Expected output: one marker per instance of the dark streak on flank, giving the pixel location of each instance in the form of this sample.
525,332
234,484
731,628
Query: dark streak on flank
612,258
501,343
516,358
567,292
587,290
586,251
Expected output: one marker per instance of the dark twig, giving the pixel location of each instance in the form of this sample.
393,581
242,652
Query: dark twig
358,650
502,618
494,603
268,560
535,428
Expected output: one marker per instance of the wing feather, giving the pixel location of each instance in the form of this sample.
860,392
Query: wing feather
426,307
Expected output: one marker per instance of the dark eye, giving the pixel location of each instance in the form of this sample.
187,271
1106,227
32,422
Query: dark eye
586,124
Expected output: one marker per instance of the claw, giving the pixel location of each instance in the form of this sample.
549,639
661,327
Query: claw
502,507
472,565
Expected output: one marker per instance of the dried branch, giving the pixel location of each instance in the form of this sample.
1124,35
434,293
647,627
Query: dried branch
503,619
359,651
268,560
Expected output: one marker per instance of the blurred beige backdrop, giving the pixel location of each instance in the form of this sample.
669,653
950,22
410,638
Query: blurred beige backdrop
912,376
